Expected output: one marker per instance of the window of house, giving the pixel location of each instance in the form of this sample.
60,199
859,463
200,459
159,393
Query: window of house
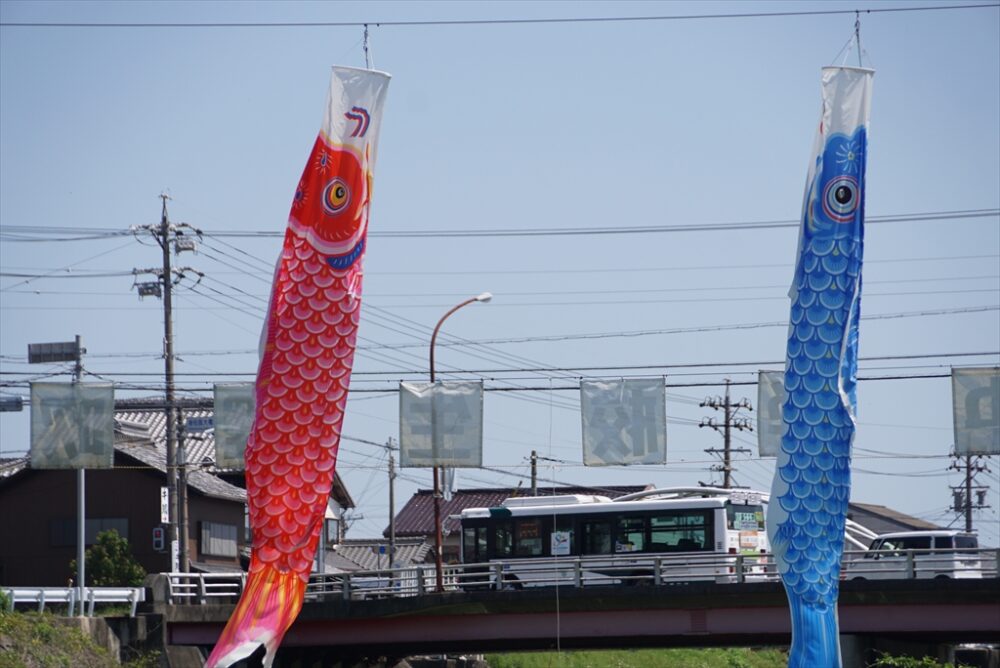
218,540
62,532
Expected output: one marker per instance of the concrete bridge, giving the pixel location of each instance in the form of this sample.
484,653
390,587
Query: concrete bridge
917,614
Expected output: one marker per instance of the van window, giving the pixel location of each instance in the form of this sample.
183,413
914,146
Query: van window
921,543
966,542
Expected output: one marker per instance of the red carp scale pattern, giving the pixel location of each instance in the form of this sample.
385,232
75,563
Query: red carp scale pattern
305,370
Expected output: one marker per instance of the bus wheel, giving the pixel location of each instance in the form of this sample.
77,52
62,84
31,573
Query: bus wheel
511,582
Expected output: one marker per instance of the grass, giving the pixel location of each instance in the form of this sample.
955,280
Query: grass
645,658
33,640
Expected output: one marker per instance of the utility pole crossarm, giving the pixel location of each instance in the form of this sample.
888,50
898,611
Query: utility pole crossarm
730,422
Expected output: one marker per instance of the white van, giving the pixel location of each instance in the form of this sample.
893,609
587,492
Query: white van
944,553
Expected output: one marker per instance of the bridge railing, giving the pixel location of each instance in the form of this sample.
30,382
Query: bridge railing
585,572
70,596
921,564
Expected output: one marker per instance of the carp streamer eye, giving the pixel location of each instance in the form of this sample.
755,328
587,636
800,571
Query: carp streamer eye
336,196
840,199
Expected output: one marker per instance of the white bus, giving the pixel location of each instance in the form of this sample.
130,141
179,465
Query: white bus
665,535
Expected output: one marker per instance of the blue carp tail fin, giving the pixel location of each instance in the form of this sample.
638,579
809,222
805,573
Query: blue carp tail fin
815,636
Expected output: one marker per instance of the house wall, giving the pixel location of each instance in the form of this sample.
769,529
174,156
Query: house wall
32,501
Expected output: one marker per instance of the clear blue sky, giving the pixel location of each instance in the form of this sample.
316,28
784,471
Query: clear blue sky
652,123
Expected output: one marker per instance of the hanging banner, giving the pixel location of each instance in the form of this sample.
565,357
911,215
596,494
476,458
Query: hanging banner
307,352
975,397
233,413
441,424
624,421
807,513
770,397
72,425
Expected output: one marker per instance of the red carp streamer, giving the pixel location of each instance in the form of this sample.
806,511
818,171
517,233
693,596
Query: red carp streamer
305,369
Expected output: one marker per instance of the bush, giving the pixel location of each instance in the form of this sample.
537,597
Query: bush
886,660
110,563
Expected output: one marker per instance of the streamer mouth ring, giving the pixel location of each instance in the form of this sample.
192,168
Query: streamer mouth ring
841,198
341,262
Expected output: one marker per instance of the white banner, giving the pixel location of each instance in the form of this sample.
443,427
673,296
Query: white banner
770,399
441,424
975,397
72,425
624,421
234,412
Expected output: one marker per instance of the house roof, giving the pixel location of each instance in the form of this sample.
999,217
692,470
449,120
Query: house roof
205,483
365,553
417,516
143,421
887,519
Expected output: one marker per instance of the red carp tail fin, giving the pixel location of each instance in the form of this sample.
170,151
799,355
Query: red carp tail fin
270,603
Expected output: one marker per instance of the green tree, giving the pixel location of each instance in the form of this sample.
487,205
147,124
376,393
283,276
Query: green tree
110,563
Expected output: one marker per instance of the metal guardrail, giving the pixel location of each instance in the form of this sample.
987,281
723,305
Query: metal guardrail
638,569
42,596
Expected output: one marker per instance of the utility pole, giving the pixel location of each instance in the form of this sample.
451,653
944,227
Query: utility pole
730,421
962,494
81,501
392,505
534,473
167,278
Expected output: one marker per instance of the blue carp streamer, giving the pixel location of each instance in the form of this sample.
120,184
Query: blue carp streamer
807,512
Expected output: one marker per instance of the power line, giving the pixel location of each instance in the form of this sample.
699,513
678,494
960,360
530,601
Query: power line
20,232
717,328
532,293
475,22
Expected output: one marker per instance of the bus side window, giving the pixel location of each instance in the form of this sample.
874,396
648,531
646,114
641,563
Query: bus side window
596,537
528,539
688,531
504,537
631,534
469,555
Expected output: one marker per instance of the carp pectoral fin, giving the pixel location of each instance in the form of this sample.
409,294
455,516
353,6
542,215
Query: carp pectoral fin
270,603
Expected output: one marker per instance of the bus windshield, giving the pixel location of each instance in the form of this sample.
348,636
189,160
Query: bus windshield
744,518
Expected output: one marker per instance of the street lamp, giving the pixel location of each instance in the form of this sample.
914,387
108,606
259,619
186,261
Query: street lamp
438,564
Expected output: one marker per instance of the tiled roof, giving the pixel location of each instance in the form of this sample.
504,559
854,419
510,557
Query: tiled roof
892,516
206,483
417,516
155,457
364,553
151,425
12,465
144,421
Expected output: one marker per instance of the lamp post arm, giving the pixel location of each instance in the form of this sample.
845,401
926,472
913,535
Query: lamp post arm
438,327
